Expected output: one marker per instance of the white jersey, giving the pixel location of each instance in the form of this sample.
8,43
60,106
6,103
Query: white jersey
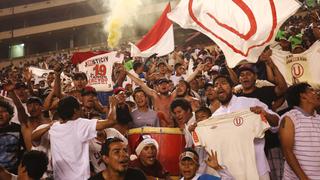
95,148
232,136
70,148
44,146
242,103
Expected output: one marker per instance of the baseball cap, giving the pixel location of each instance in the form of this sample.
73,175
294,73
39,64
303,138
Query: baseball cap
162,80
118,90
247,67
161,62
190,155
20,85
34,99
88,90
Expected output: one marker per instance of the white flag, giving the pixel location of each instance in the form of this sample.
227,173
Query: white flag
241,28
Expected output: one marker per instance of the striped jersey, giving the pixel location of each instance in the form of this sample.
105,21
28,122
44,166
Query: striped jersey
306,144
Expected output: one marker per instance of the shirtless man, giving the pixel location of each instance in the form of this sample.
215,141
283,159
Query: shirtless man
162,98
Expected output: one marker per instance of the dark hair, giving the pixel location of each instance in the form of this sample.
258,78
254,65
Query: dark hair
293,93
136,65
225,77
207,85
136,90
205,110
188,87
36,163
180,102
105,148
80,75
8,107
67,106
177,65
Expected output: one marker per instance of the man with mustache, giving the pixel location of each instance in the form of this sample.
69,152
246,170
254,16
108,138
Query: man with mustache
115,155
230,103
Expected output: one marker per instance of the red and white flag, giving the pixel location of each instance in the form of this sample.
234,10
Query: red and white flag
158,40
241,28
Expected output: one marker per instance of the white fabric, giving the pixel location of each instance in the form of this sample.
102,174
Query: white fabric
302,67
44,146
194,178
70,148
233,134
159,39
99,70
163,47
145,142
175,79
241,103
241,34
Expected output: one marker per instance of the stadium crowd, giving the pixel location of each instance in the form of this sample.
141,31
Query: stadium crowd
58,127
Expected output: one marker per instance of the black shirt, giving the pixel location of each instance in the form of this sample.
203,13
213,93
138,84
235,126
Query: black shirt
265,94
132,174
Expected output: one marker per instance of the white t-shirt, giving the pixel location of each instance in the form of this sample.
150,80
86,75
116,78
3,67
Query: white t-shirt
70,148
175,79
232,136
243,103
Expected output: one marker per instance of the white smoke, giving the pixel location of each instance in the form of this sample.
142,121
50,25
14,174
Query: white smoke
124,17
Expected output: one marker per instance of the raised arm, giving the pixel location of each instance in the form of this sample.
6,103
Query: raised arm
38,133
28,76
58,68
286,134
144,87
198,70
274,73
22,115
111,121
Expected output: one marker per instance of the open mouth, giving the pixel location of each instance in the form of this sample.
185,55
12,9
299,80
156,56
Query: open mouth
124,163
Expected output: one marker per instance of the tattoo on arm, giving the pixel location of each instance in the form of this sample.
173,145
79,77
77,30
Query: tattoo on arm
283,123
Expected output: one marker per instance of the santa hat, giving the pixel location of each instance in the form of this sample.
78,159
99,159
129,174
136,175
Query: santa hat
145,140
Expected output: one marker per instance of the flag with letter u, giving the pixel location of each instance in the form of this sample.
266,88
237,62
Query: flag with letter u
241,28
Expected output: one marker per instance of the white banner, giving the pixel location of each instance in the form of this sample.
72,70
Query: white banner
304,67
99,70
241,28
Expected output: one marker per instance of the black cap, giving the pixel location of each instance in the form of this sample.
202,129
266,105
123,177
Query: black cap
20,85
162,80
34,99
247,67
